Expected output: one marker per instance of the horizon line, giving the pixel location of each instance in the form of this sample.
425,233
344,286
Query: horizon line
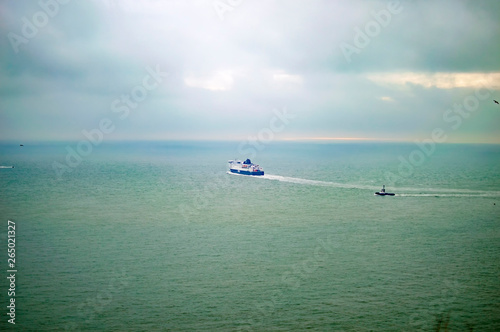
321,138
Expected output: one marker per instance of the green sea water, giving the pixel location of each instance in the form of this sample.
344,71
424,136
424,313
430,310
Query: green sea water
156,236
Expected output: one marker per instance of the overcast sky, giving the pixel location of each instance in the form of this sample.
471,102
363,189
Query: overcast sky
205,69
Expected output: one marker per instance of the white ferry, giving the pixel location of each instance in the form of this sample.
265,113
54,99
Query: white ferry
245,167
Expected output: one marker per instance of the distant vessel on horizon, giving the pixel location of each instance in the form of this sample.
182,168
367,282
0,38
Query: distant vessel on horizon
245,167
383,193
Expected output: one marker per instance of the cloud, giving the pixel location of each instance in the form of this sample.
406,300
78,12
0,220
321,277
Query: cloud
439,80
388,99
219,81
287,79
226,76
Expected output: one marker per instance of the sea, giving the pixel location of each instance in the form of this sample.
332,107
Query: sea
158,236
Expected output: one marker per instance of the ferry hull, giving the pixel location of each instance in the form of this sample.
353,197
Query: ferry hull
240,171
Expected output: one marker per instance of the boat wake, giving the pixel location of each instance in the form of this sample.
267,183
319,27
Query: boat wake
316,182
437,194
6,166
400,191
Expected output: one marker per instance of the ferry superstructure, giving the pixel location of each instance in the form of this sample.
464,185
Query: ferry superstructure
245,167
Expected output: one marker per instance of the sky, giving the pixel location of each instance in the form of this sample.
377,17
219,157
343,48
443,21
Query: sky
237,69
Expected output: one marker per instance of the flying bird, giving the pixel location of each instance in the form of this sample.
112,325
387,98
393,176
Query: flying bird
496,102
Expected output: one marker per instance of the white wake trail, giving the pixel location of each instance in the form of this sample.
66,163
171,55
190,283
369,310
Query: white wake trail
316,182
400,191
437,194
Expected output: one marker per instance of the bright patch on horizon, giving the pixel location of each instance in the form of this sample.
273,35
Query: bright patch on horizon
440,80
388,99
335,139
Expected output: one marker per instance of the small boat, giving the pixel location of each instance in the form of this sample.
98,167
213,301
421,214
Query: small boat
383,193
245,167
